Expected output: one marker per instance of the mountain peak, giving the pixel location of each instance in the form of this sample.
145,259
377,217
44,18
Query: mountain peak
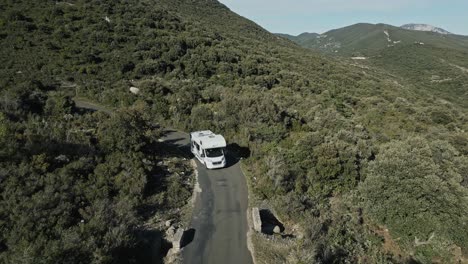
425,27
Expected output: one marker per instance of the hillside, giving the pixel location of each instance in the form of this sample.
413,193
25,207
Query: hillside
357,163
442,71
426,60
369,39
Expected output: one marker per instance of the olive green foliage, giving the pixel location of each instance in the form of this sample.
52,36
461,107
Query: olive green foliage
124,132
442,70
73,185
317,130
414,188
3,127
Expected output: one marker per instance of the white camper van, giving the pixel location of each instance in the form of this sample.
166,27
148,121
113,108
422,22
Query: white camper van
209,148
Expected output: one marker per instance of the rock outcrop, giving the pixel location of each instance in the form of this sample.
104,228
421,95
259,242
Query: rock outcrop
178,239
257,220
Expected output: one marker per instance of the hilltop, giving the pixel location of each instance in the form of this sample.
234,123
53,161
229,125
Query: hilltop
425,27
358,162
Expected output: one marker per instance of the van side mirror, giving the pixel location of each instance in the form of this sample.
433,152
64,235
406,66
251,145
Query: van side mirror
203,154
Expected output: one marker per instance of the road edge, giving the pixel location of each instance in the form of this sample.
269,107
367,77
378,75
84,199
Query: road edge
250,231
196,185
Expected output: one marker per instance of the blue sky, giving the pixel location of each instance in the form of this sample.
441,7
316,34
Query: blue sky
297,16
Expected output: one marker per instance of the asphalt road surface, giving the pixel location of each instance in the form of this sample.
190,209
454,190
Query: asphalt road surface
219,219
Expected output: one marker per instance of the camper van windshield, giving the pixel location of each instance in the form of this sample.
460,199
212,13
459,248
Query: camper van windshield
214,152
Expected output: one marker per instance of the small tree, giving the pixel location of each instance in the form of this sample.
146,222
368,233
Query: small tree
123,132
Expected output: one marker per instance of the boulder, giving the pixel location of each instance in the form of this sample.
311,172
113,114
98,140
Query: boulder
134,90
277,230
168,223
257,221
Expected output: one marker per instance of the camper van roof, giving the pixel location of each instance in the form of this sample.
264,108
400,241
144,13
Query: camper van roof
208,139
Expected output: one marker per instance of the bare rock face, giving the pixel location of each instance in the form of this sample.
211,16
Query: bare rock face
257,221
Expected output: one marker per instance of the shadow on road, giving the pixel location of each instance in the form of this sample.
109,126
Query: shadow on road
174,141
188,237
235,154
177,143
231,160
238,151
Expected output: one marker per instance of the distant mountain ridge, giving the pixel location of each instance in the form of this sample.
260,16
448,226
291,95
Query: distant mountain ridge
425,27
416,52
366,39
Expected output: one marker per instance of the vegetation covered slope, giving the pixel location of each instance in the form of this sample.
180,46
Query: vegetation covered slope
301,39
426,60
369,39
323,134
443,71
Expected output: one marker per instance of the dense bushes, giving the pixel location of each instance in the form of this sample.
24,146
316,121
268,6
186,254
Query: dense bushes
72,185
413,188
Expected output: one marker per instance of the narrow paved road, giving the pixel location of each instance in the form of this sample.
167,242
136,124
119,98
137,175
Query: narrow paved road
219,217
220,213
86,104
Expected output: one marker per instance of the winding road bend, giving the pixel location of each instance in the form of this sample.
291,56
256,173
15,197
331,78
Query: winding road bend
220,213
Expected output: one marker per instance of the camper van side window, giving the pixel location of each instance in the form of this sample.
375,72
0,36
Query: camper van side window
197,146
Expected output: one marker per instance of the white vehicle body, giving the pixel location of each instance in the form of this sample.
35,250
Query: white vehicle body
209,148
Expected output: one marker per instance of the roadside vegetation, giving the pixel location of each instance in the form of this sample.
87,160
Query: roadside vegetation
368,168
79,187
